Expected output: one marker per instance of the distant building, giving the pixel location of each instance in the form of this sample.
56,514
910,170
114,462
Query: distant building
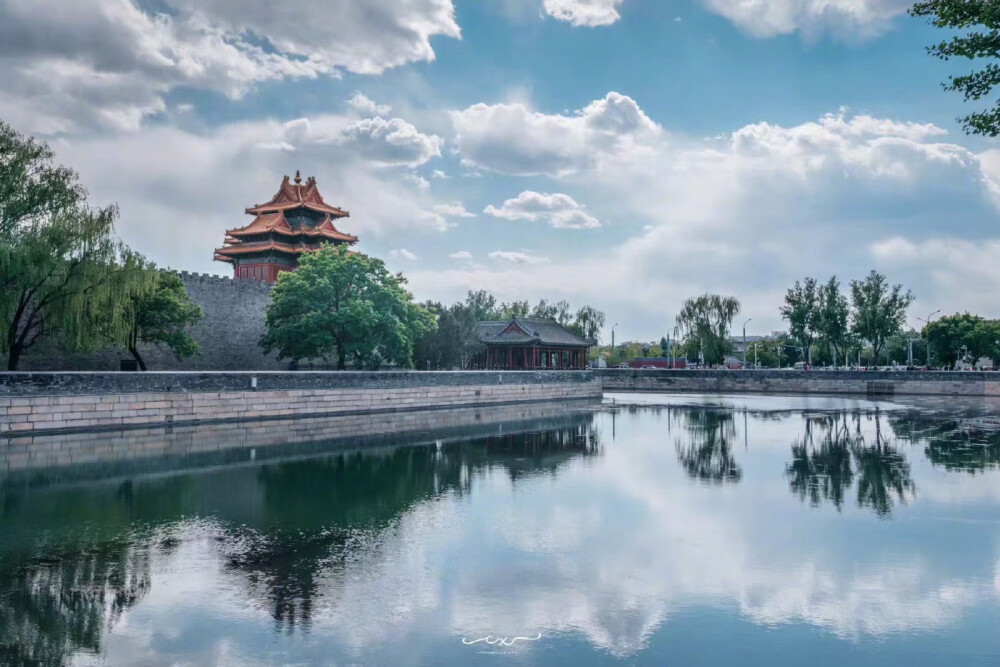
528,344
295,221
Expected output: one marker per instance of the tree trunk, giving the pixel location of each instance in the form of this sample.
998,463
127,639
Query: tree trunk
13,357
135,354
341,360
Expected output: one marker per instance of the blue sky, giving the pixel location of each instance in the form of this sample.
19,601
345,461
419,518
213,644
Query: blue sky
622,153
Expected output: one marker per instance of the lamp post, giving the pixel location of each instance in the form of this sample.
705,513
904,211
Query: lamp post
745,342
927,323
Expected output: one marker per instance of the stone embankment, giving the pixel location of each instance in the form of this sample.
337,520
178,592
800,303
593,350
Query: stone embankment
34,402
915,383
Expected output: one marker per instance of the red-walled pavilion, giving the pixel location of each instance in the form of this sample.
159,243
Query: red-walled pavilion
529,344
295,221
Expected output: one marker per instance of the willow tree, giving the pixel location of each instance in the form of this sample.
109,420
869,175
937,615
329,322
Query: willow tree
344,305
64,274
706,320
162,314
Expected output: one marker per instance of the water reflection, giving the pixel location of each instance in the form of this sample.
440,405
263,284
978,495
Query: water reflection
581,526
706,448
74,558
834,451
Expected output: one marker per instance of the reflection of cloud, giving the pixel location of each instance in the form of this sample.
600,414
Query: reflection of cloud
611,547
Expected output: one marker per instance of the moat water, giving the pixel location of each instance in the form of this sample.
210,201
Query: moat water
650,530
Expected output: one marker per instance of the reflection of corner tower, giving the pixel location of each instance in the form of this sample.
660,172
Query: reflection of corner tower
295,221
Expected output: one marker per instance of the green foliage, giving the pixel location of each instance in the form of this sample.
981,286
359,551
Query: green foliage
162,315
832,321
949,335
454,342
705,320
32,189
978,25
879,310
802,311
344,305
63,273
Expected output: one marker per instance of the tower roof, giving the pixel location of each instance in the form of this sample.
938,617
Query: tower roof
298,195
276,222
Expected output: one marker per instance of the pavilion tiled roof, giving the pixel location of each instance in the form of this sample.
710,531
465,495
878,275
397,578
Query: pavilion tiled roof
526,331
277,223
298,195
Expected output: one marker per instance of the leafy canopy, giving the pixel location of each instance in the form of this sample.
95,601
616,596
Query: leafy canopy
978,24
707,319
63,272
879,310
344,305
163,315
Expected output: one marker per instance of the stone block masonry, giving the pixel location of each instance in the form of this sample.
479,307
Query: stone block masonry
873,383
228,334
51,402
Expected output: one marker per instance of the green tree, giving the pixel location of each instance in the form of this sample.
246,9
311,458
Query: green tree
879,310
833,319
706,320
163,315
588,323
949,335
344,305
514,309
64,275
452,343
978,25
32,188
802,311
483,306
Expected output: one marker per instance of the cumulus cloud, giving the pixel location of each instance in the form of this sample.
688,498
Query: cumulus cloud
390,142
111,62
512,139
586,13
461,254
454,210
556,210
515,257
365,106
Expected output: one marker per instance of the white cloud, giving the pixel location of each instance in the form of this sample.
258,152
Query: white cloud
110,63
365,106
586,13
390,142
762,18
402,253
437,173
454,210
417,180
848,18
517,257
557,210
511,139
461,254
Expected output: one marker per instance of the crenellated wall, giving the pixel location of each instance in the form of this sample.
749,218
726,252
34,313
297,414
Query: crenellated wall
228,334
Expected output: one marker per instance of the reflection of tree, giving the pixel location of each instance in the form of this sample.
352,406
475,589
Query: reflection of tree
706,453
52,607
286,526
834,451
969,445
317,510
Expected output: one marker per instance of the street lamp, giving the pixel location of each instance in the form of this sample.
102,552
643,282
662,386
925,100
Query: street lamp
745,342
613,339
927,322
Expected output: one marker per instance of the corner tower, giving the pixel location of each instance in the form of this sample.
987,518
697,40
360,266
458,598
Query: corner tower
295,221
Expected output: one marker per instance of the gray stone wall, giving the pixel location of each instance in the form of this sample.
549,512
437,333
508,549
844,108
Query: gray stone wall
804,382
228,334
49,402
